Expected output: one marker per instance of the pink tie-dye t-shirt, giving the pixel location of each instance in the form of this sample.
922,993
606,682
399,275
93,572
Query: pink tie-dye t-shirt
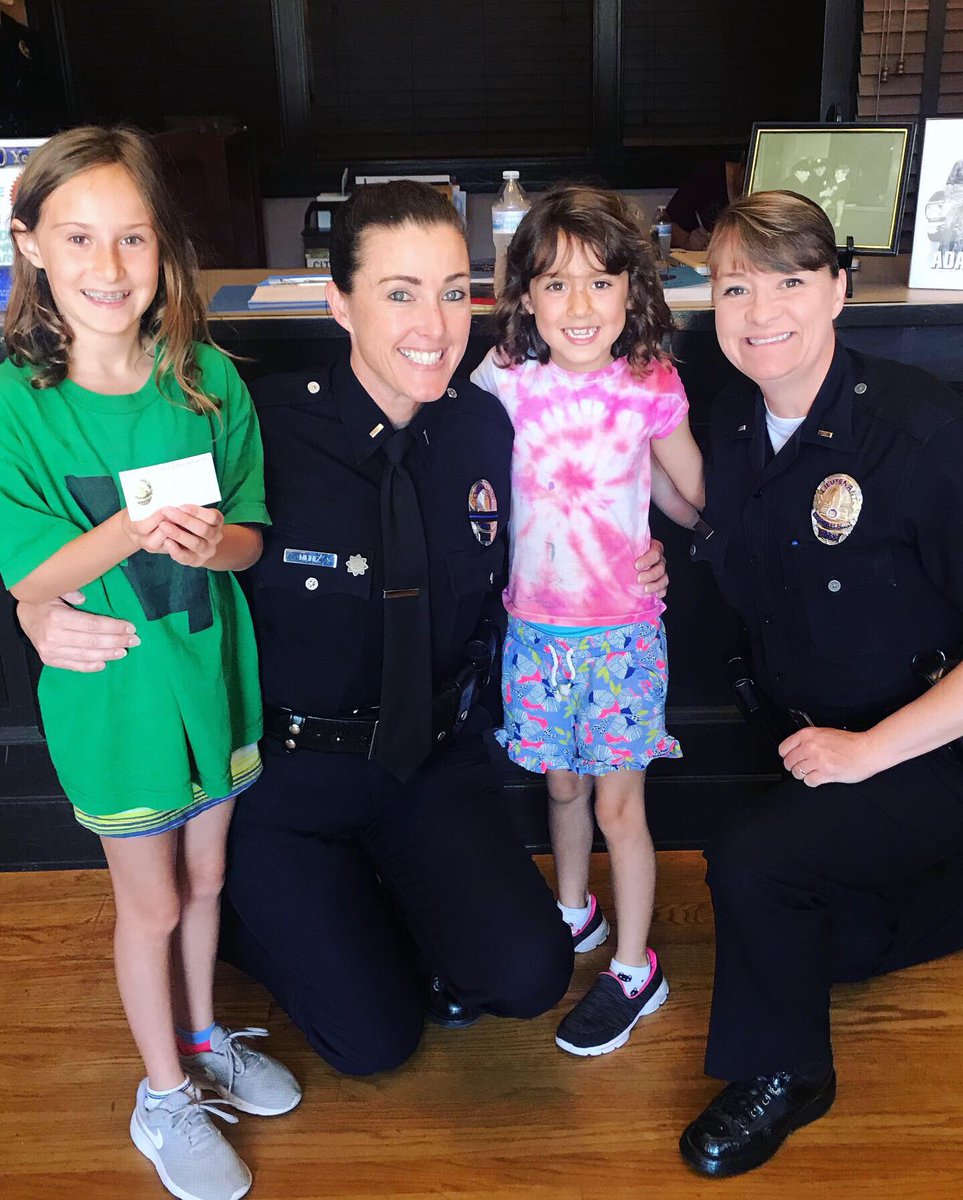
581,481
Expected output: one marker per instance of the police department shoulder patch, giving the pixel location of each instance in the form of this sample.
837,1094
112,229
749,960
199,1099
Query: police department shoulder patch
837,503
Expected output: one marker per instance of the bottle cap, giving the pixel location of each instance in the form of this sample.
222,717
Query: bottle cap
509,174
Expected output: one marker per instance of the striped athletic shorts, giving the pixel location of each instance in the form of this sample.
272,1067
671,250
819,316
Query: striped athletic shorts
140,822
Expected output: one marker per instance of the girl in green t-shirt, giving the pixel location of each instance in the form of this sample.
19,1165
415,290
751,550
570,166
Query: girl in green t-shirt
111,368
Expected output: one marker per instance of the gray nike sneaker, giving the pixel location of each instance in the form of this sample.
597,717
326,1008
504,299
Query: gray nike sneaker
249,1080
192,1158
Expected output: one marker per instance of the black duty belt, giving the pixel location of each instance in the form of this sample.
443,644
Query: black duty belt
776,722
357,734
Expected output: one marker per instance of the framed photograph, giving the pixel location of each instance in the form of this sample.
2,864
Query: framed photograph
856,173
937,260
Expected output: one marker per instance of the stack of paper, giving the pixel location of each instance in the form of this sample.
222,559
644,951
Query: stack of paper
291,291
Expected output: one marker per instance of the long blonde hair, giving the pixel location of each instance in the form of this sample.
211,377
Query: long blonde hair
36,333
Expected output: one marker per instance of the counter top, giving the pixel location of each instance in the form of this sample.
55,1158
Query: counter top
881,298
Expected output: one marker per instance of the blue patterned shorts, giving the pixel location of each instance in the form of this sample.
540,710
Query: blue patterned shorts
592,703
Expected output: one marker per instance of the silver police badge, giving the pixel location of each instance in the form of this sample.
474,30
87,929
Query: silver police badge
483,511
837,504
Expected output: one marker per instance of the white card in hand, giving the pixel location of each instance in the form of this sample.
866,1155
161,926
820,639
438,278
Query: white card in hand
181,481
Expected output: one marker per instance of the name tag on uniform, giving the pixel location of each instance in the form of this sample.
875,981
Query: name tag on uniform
311,558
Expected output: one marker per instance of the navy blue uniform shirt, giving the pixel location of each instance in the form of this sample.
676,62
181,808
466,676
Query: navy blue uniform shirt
834,622
316,593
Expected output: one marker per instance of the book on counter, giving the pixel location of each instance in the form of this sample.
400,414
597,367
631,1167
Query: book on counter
308,292
291,291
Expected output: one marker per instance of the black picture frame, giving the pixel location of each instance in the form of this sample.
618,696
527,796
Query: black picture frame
809,158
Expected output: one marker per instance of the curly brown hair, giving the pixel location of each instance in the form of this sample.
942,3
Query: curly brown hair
612,227
36,333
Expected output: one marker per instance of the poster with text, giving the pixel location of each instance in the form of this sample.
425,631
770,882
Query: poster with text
13,158
937,260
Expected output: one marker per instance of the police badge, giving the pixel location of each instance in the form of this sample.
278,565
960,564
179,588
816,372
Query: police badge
837,504
483,511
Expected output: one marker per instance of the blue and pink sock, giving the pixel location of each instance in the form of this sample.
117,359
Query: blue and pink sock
194,1042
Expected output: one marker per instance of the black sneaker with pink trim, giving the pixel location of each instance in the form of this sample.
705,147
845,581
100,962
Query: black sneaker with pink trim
593,931
606,1015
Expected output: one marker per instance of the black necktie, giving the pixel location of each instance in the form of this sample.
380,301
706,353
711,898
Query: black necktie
403,739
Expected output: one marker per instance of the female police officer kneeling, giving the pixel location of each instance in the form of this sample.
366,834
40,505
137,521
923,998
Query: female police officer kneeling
377,835
834,489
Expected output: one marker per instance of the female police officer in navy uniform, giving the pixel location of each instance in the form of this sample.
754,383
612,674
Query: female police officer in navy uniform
376,838
834,489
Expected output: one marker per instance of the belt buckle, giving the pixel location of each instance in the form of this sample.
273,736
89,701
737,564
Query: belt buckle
374,738
295,726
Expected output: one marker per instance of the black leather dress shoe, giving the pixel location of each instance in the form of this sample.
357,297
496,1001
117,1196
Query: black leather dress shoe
444,1009
749,1120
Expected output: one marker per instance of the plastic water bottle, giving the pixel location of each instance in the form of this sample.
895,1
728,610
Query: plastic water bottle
661,234
507,212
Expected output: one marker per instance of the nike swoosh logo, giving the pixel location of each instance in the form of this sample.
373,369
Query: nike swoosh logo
155,1135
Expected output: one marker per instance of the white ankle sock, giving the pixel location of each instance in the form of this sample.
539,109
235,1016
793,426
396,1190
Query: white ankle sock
155,1095
576,917
631,978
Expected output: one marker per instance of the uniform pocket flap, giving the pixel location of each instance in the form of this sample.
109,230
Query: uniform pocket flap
833,568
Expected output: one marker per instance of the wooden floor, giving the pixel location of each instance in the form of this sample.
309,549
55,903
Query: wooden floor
494,1112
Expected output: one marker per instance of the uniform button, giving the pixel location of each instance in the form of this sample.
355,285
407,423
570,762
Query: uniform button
859,388
692,551
311,583
767,620
314,387
779,677
440,737
834,585
452,394
463,716
491,578
294,728
290,744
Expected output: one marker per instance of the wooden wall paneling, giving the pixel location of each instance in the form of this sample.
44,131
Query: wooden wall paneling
950,100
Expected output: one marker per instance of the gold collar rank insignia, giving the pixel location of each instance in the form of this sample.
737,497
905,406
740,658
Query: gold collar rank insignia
836,507
483,511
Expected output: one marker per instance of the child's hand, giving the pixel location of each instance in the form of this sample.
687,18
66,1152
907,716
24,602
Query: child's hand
146,534
191,533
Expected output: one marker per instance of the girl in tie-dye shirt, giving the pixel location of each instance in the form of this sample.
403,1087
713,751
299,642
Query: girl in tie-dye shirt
579,367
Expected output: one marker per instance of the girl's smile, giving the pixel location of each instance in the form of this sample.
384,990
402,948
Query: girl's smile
579,307
96,243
